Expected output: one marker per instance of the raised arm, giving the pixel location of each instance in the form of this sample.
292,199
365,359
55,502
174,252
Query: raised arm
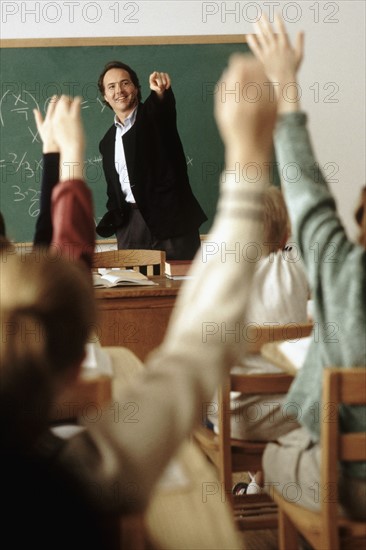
50,174
330,258
312,207
206,327
72,221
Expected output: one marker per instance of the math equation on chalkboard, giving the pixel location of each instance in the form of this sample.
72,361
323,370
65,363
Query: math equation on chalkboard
21,153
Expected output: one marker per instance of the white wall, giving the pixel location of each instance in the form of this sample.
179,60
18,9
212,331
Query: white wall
332,77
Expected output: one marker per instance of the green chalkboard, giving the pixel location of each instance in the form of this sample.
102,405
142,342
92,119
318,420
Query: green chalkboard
31,75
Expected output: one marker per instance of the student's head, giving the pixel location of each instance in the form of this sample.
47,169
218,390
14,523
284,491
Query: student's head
276,220
360,216
115,72
46,313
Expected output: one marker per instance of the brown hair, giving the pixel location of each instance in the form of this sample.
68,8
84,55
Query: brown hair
118,65
47,311
276,219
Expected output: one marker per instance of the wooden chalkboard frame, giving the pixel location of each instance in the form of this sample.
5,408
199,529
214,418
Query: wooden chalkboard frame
122,41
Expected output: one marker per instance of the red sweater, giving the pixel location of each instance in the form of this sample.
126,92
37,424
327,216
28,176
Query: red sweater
73,221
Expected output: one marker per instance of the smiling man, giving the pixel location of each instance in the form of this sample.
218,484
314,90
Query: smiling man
150,201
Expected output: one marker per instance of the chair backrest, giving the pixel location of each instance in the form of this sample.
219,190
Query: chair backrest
256,337
149,262
345,386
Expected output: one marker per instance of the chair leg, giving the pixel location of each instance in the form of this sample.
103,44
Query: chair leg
287,533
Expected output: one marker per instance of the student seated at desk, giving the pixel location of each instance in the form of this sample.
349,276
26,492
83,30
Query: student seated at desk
279,295
338,286
116,462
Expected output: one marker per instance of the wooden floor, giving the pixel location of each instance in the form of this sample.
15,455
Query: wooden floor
257,540
260,540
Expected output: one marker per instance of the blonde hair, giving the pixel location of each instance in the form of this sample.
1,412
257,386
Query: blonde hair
276,219
47,311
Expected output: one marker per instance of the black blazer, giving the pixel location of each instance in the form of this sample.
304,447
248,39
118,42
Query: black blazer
157,171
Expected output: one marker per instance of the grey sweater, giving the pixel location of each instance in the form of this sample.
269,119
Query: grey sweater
336,271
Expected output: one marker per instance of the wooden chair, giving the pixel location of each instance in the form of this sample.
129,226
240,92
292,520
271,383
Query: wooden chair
235,455
328,529
149,262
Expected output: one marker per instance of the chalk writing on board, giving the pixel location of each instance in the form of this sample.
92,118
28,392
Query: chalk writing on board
21,163
19,195
20,104
73,70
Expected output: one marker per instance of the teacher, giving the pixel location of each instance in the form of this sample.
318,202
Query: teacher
150,201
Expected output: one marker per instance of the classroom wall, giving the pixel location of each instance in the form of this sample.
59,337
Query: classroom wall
332,77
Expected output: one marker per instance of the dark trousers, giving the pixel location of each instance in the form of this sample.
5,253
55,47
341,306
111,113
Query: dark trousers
136,235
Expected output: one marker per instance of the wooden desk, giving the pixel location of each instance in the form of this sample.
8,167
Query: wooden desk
136,316
196,515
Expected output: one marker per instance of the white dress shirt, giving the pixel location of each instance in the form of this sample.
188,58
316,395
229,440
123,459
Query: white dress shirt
119,154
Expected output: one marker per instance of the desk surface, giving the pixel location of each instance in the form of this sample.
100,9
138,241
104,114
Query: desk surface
164,287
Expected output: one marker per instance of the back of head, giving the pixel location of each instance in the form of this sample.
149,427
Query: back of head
276,220
59,518
46,311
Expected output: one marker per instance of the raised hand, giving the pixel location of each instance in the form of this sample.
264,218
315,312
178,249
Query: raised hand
64,124
159,82
45,127
67,126
280,59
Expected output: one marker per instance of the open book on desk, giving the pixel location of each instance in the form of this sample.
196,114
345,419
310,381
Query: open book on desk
107,278
288,355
